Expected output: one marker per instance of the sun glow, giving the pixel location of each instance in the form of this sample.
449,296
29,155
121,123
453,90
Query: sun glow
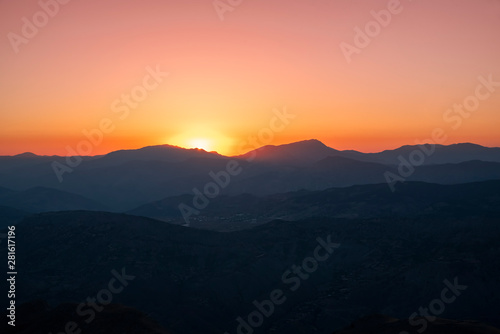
203,143
202,137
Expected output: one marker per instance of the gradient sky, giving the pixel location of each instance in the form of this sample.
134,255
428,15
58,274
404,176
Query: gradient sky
225,77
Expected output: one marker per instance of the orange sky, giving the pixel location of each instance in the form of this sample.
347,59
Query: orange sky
226,77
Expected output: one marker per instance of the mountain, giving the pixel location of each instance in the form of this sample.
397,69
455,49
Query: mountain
11,216
449,154
463,172
299,153
317,227
411,199
5,192
33,162
41,199
165,153
303,153
195,281
310,151
123,180
262,179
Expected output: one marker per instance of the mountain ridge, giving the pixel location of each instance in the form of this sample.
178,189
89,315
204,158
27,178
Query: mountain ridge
125,179
306,144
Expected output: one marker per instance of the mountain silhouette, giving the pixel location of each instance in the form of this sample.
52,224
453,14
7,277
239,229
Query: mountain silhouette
42,199
455,153
123,180
299,153
310,151
166,153
195,281
412,199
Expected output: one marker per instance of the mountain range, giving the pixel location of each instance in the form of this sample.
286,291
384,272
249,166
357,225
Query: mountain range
255,220
411,199
196,281
126,179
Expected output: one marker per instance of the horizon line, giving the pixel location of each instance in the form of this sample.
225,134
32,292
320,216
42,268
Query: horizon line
28,153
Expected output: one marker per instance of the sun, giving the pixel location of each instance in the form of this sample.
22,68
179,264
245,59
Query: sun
202,136
203,143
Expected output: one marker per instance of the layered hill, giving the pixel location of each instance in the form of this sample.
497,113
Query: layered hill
123,180
194,281
42,199
411,199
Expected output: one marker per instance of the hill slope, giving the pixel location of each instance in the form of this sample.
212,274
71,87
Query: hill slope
195,281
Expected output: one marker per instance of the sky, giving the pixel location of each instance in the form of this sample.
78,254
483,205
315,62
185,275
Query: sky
96,76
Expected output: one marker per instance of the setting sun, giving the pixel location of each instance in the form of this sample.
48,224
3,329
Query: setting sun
202,136
203,143
312,166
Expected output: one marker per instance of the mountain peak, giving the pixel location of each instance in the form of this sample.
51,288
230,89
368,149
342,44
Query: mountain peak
467,145
302,144
301,152
310,143
26,155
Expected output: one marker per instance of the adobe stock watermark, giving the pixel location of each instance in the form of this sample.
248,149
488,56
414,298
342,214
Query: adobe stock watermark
453,116
221,179
87,310
437,306
372,29
122,107
223,6
31,27
292,278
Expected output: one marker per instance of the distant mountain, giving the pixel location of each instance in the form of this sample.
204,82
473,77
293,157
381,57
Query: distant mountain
41,199
123,180
411,199
303,153
300,153
33,162
26,155
343,172
165,153
11,216
310,151
5,192
454,154
338,171
463,172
